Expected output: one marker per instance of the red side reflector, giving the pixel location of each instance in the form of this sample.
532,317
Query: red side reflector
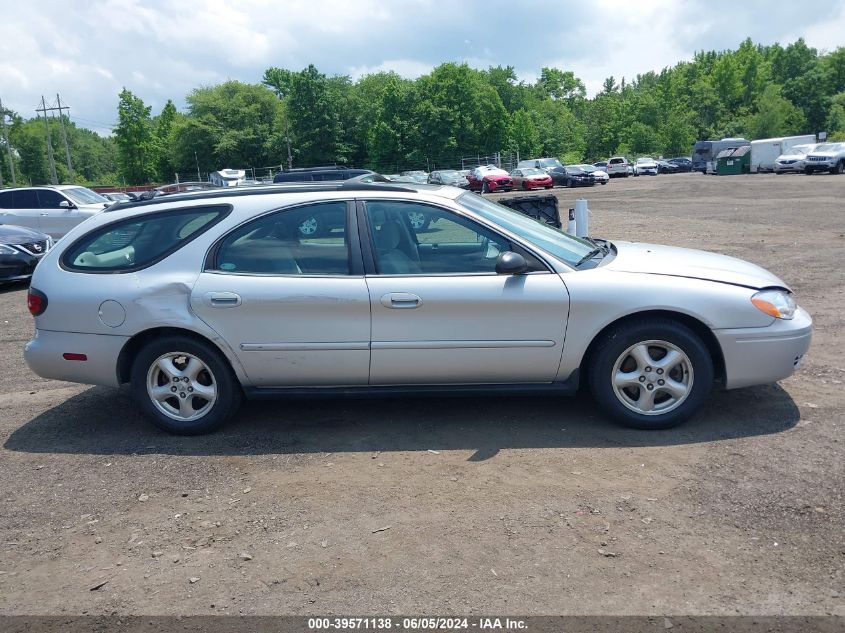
70,356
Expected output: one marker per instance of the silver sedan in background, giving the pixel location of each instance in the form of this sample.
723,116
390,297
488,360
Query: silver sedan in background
198,299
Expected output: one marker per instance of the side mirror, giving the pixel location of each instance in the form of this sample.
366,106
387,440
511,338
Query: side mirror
64,204
510,263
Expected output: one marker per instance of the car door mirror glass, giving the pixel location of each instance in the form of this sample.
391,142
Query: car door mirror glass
510,263
64,204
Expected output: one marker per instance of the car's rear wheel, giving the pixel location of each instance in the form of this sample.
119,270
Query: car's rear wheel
651,374
184,386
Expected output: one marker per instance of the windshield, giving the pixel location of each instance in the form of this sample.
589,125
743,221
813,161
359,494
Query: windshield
587,168
549,162
81,195
641,161
800,149
554,241
531,171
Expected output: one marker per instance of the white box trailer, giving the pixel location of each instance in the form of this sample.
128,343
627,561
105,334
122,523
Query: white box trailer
765,151
227,177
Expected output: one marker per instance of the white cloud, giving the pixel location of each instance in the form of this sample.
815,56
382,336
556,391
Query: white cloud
88,51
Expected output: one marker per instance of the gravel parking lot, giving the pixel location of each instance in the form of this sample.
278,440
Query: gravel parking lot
464,505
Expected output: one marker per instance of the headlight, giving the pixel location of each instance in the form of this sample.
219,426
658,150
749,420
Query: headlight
775,303
7,250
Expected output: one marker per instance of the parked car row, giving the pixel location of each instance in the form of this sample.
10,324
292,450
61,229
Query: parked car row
809,159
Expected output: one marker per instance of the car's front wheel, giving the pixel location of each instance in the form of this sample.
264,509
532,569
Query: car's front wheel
651,374
184,386
485,188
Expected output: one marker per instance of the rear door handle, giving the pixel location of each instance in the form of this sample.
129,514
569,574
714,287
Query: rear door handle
222,299
401,300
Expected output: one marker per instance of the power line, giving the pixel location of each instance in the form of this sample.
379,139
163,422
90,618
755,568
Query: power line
44,109
8,147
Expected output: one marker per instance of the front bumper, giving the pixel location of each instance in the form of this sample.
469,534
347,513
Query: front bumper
17,267
757,356
44,353
797,166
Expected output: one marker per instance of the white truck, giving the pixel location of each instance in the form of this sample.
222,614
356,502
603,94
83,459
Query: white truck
765,151
227,177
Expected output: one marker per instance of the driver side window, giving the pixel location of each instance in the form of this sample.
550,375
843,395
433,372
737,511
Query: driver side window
418,239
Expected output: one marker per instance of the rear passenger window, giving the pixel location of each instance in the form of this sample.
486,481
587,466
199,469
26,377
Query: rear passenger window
6,200
310,240
141,241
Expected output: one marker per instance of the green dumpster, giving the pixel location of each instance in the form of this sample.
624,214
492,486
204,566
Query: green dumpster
734,161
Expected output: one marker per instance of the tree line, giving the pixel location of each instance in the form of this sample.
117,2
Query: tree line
388,123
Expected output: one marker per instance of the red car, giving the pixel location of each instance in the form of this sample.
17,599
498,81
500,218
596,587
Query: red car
489,179
531,178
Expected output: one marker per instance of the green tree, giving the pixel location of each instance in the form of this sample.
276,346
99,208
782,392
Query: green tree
522,135
314,117
135,139
775,116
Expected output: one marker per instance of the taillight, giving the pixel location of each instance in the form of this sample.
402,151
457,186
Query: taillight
36,301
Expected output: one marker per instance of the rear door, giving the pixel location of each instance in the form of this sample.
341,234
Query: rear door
441,314
294,308
21,208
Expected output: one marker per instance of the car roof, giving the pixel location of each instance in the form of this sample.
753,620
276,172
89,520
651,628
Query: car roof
53,187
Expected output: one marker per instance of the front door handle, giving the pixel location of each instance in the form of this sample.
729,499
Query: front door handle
401,300
222,299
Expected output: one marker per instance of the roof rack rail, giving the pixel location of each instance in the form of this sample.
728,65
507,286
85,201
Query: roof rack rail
262,190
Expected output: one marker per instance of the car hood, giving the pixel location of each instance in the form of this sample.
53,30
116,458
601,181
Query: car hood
792,157
654,259
496,176
12,234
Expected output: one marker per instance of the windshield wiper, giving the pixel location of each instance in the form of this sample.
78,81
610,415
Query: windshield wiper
589,256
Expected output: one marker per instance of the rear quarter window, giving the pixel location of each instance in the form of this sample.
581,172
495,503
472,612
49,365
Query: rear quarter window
139,242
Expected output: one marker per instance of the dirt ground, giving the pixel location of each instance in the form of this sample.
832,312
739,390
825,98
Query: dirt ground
456,506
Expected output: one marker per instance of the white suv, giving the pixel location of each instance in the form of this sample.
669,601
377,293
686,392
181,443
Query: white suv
617,166
826,157
53,210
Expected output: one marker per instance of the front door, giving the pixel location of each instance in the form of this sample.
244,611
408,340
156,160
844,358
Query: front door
293,307
55,220
441,314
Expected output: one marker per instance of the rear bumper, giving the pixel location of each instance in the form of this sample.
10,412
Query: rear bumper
757,356
44,353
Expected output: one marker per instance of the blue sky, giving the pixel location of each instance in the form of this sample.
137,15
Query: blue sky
89,49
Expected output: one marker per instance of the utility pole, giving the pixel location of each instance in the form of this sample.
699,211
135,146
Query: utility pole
54,178
64,133
197,160
8,147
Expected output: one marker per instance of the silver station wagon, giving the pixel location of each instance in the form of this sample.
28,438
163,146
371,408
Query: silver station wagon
199,299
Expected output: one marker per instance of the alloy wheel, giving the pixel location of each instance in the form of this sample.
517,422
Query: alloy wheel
181,386
652,377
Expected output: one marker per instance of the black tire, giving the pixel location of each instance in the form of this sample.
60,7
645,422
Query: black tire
839,168
808,171
524,187
570,183
611,349
219,374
